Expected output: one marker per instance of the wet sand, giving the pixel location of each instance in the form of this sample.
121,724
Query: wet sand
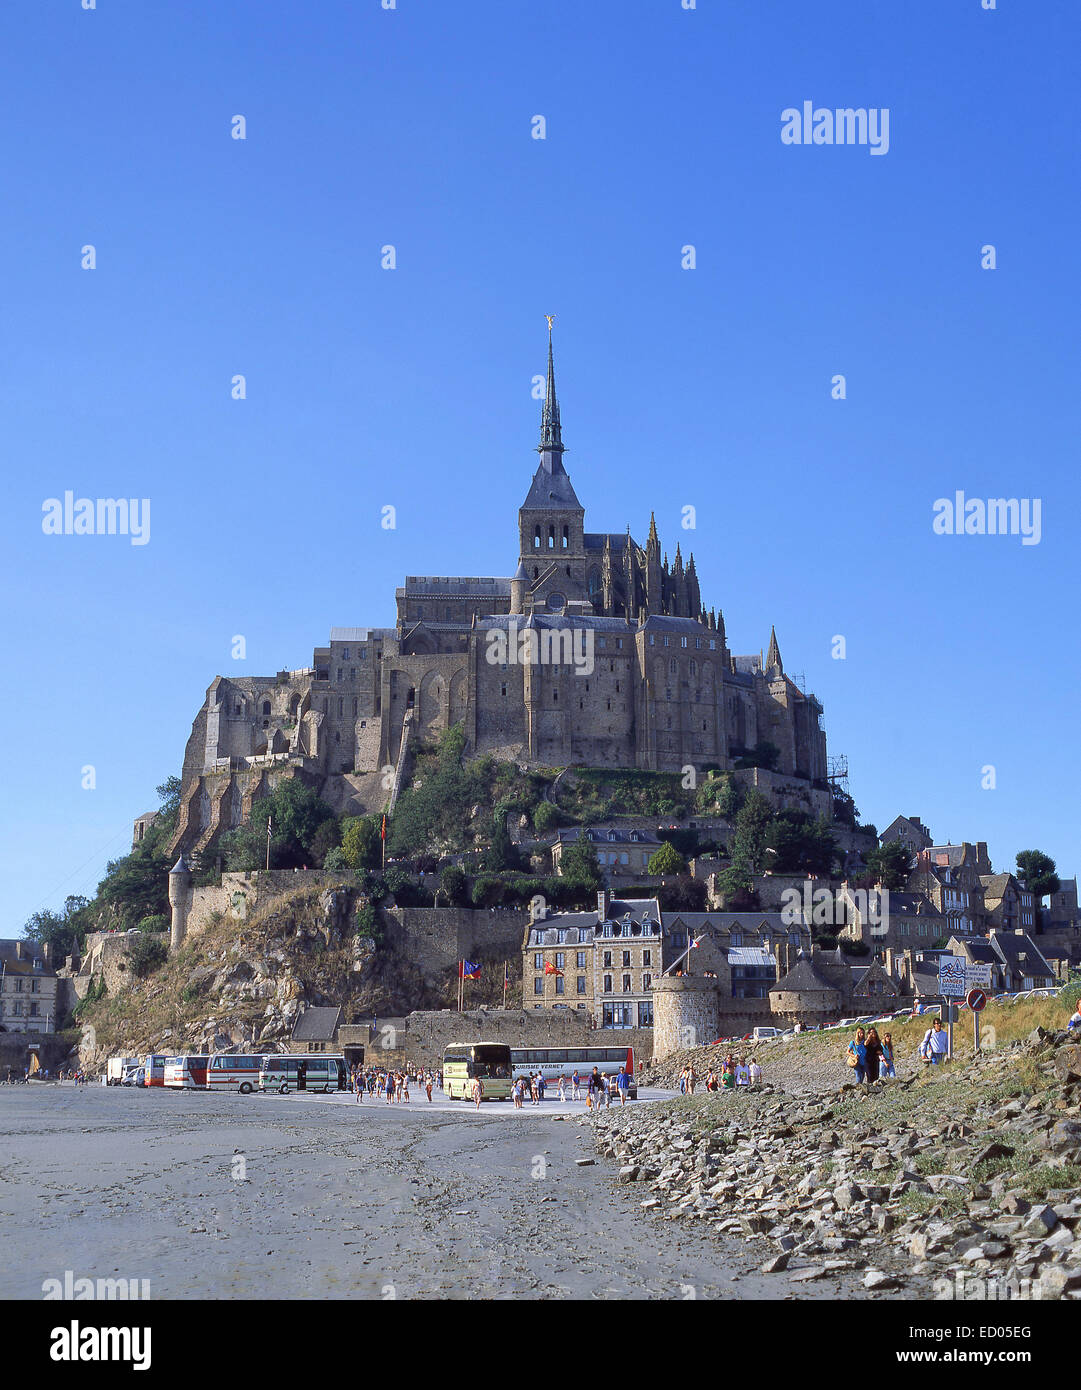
339,1201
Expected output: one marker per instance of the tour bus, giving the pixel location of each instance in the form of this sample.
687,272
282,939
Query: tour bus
233,1071
154,1069
305,1072
186,1073
554,1062
462,1062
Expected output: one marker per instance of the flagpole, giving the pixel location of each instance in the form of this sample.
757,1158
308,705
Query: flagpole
269,823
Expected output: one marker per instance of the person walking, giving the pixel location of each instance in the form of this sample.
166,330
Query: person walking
856,1056
888,1068
541,1086
562,1087
743,1076
683,1082
756,1074
692,1077
428,1086
873,1051
935,1044
478,1091
576,1084
358,1085
623,1083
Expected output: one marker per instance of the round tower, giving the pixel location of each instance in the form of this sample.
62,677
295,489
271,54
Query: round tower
179,901
686,1013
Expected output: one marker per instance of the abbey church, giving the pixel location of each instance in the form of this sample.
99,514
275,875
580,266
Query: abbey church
659,690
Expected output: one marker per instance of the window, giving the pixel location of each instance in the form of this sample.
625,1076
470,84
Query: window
645,1014
617,1016
607,962
33,1011
339,673
35,985
559,960
626,958
266,706
608,984
626,984
538,985
712,644
683,641
559,984
581,984
581,961
345,653
538,961
647,980
647,958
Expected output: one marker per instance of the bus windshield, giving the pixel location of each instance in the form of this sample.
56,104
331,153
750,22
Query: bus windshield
490,1060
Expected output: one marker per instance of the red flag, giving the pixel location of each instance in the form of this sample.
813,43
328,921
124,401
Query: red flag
383,830
549,969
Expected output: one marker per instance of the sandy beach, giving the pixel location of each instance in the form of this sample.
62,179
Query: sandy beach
335,1200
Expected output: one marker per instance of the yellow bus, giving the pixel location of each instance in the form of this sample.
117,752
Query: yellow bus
463,1062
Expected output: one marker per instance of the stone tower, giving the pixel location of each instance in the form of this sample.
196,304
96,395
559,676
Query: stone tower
179,901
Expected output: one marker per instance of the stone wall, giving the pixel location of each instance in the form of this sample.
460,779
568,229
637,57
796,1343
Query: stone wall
424,1034
435,938
103,959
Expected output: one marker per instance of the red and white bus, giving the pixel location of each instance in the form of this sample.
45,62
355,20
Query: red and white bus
233,1071
154,1069
186,1073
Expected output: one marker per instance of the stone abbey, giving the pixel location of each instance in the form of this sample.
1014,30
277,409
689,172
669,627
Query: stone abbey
660,691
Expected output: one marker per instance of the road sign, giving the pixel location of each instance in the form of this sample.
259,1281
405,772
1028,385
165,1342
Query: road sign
977,976
976,999
951,976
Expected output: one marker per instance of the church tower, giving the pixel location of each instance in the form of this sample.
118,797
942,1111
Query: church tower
551,522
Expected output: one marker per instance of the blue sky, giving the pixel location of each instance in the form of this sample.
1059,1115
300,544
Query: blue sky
709,387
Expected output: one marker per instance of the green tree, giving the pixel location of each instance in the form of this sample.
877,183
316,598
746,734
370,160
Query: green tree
242,849
296,812
454,886
545,817
749,834
667,860
145,954
888,864
335,862
580,866
800,844
327,837
1036,872
501,854
362,842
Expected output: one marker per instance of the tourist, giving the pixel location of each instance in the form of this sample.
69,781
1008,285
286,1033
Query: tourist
534,1098
405,1087
541,1086
683,1082
888,1069
576,1084
711,1080
935,1044
691,1079
857,1055
623,1082
728,1075
596,1088
516,1092
562,1087
478,1091
743,1076
756,1073
428,1085
1075,1018
873,1051
358,1085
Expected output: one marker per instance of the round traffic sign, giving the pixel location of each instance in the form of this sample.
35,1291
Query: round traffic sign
976,999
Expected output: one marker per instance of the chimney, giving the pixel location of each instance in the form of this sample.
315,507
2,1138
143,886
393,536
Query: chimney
889,961
47,953
910,966
18,950
604,899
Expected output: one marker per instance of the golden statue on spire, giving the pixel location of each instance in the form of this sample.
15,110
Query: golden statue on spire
549,317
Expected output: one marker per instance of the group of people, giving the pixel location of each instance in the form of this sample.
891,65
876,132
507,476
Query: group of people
870,1056
733,1075
392,1087
599,1089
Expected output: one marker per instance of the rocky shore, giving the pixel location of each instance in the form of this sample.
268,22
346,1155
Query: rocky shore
953,1182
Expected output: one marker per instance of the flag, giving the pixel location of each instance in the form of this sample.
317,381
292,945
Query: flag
694,943
383,829
468,971
549,969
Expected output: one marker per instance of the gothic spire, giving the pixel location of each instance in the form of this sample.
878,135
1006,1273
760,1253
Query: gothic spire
773,656
653,542
551,439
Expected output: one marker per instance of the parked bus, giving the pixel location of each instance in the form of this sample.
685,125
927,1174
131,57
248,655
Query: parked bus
186,1073
554,1062
305,1072
462,1062
154,1069
233,1071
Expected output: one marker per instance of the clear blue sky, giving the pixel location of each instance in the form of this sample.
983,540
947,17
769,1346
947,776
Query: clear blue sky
411,387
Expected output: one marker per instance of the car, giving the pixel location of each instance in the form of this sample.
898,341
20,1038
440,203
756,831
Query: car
134,1076
762,1034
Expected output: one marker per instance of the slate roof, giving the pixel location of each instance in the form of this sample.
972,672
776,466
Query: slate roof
1021,953
551,488
14,966
317,1025
980,949
803,977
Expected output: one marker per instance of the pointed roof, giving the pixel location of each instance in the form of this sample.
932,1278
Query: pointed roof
551,434
653,542
180,867
773,656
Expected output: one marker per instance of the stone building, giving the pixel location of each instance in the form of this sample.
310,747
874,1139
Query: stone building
890,920
599,963
910,831
28,988
1009,906
596,650
621,853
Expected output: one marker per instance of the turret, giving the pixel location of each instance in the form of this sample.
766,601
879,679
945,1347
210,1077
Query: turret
179,901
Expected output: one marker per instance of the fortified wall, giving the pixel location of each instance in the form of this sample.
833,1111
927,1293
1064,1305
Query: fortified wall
422,1036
